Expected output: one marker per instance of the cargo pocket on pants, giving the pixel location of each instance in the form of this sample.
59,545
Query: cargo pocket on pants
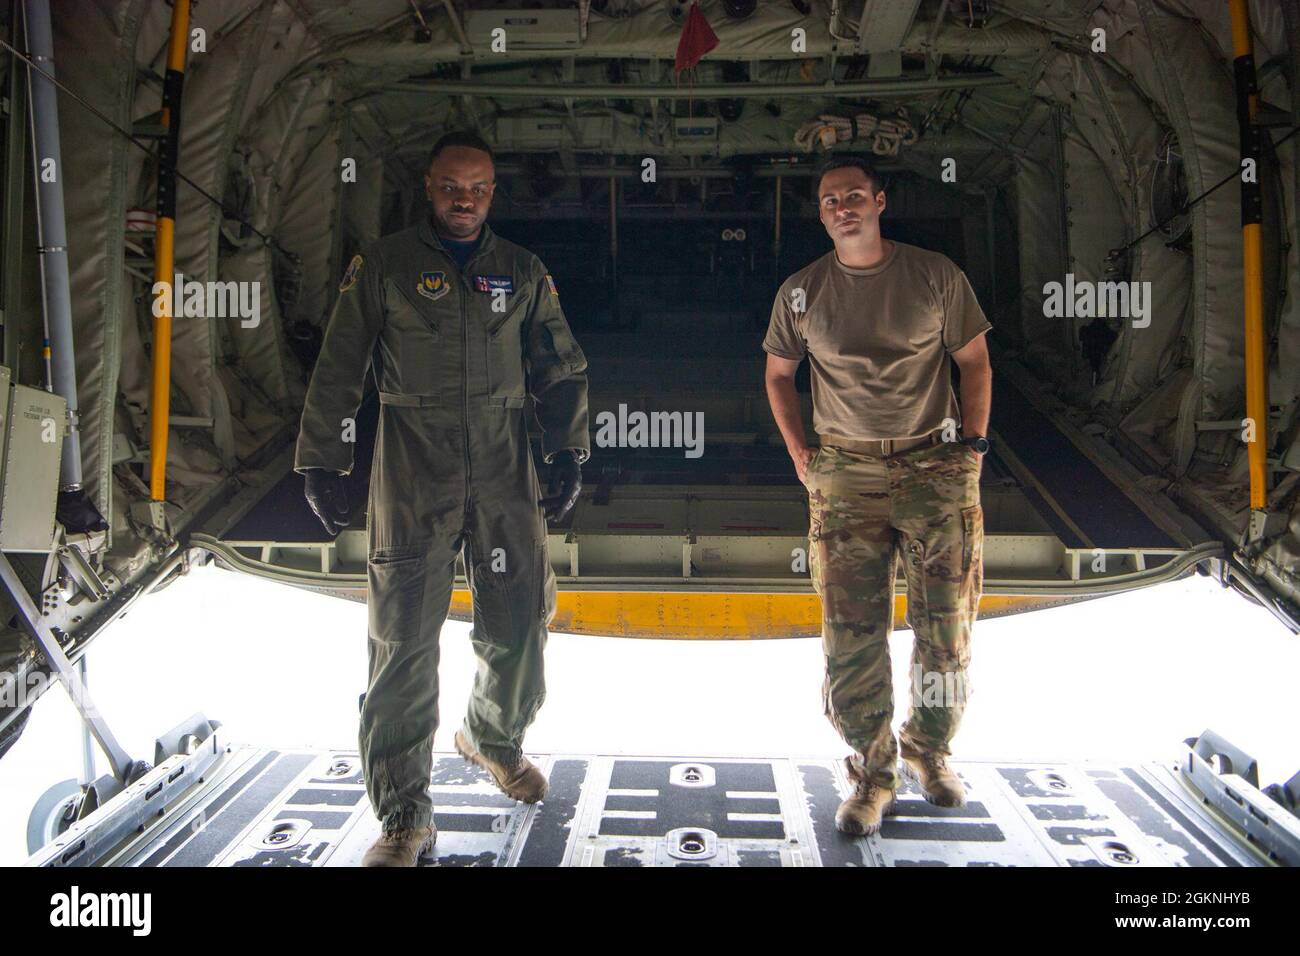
395,582
545,585
972,533
816,553
509,604
494,620
972,557
947,569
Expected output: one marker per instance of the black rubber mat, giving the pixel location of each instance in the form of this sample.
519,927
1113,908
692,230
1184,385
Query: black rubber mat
296,809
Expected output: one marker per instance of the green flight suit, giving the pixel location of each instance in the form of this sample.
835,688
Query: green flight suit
457,354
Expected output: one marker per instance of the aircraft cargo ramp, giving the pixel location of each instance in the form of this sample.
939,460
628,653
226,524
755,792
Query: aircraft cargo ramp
221,805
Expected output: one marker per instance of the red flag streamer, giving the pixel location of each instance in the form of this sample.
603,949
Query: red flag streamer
697,39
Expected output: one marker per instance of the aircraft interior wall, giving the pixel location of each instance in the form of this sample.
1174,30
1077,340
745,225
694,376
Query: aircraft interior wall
1062,156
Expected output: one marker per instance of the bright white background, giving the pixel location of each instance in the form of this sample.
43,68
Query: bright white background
1123,678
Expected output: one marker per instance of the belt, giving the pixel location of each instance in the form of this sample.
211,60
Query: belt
884,447
429,401
408,401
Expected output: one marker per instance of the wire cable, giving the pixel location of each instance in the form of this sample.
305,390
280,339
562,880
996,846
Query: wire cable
129,137
1185,207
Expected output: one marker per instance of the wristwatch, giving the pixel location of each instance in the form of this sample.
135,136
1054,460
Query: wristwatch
978,442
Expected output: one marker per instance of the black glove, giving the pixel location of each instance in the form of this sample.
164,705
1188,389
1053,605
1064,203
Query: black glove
563,486
327,493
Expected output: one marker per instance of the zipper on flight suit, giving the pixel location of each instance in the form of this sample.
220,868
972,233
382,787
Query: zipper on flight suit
464,385
463,290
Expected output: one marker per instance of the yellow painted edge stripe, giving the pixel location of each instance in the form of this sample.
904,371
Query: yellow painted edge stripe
666,615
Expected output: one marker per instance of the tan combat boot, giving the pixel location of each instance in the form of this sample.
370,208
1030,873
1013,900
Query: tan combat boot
862,810
939,784
401,847
523,781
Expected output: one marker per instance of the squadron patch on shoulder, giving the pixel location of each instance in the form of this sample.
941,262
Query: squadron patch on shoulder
433,285
350,276
550,284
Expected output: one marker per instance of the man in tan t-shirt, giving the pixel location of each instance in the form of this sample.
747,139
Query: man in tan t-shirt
881,323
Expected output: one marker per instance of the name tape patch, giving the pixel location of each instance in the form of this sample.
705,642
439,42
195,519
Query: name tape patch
492,283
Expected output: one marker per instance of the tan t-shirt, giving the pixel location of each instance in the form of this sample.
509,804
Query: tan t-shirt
878,341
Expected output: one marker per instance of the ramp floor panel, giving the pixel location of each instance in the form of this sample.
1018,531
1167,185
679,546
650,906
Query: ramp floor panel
261,807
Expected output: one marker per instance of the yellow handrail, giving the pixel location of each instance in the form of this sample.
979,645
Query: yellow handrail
1252,269
163,259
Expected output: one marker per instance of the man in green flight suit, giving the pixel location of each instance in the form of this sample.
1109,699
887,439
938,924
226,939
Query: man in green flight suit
463,327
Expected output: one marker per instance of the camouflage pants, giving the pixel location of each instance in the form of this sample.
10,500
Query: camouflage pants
866,512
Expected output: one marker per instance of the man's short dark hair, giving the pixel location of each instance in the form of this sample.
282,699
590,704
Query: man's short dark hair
459,137
856,162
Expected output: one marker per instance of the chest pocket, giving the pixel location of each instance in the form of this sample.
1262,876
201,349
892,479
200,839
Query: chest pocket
414,312
416,335
504,348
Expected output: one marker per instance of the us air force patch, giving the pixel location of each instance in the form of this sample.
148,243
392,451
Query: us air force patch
350,277
433,285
